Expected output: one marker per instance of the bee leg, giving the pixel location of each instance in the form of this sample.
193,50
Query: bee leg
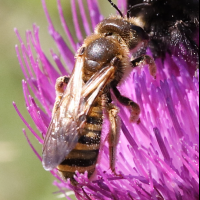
143,60
60,86
61,83
113,137
134,107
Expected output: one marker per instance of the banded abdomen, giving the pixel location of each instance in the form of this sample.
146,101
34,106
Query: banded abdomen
84,156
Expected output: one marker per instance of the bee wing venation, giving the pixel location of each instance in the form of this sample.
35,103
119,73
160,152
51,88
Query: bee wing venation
62,134
92,88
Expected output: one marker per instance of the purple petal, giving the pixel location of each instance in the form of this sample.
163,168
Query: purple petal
29,127
94,12
65,27
76,23
34,150
84,18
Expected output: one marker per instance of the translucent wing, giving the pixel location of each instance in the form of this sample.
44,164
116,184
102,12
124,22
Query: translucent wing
92,88
63,132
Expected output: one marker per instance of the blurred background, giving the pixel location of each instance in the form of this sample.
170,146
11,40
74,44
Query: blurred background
21,173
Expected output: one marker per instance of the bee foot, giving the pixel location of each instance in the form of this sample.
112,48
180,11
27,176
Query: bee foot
152,66
138,121
135,112
117,174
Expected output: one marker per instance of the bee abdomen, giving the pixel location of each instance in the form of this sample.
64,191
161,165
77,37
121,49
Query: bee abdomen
84,156
78,160
81,158
91,132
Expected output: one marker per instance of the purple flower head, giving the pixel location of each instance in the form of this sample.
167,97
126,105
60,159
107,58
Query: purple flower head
157,158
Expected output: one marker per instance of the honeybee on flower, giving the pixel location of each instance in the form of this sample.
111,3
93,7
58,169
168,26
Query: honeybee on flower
157,158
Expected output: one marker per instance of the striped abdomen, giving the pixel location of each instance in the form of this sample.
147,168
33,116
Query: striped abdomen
84,156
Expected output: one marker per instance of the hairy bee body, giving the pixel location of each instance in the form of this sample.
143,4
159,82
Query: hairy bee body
84,156
73,138
98,51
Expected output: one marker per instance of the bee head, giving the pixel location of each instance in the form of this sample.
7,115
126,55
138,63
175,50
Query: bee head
122,29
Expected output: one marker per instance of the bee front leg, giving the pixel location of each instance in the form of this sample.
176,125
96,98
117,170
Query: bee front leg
134,107
61,84
114,133
146,60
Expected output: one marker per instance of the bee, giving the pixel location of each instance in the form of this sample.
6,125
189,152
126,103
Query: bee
73,138
169,24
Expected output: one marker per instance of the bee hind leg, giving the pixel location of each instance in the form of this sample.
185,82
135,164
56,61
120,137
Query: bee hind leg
146,60
134,107
114,133
61,84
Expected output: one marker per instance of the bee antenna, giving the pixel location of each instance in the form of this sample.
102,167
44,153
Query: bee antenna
115,6
136,6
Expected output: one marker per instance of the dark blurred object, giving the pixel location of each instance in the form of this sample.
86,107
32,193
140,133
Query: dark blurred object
169,23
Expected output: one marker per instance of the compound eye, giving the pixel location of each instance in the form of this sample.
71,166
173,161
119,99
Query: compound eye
139,32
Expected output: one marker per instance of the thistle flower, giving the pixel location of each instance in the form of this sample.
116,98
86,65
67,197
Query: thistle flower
157,158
